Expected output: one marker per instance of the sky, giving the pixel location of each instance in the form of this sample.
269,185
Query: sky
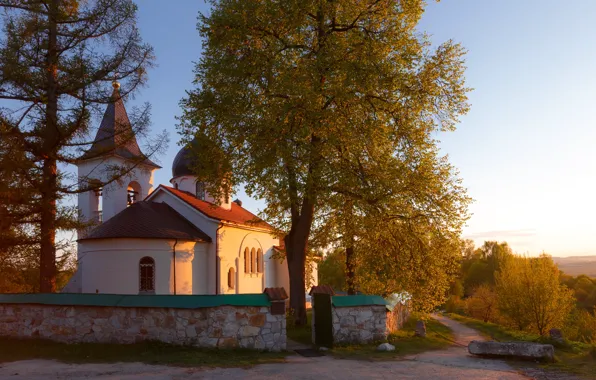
525,150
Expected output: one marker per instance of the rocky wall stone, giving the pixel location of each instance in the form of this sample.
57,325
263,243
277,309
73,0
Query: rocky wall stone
359,324
219,327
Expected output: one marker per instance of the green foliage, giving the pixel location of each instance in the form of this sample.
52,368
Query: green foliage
314,105
530,294
483,304
580,326
332,270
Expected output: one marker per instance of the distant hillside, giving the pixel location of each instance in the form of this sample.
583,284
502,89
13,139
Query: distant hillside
576,265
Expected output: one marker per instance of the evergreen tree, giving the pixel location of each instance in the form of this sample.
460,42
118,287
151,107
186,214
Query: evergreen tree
58,59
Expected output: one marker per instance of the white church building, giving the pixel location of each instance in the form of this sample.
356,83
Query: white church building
169,239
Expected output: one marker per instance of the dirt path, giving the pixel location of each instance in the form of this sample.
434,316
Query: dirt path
451,363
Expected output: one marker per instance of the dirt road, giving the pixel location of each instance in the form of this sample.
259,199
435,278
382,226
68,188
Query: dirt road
451,363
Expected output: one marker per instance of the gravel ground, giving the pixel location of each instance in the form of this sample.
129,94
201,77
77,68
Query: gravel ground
451,363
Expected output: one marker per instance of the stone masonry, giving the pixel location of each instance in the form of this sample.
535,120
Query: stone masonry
221,327
359,324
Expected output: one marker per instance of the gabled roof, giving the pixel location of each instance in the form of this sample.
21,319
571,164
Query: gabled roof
148,220
236,214
115,135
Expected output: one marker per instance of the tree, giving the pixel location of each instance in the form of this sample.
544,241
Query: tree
483,303
306,97
530,294
332,270
57,61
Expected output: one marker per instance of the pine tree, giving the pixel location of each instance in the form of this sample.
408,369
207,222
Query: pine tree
58,59
303,95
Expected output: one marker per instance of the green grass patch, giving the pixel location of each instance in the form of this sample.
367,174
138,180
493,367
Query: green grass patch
438,336
496,332
300,334
147,352
575,357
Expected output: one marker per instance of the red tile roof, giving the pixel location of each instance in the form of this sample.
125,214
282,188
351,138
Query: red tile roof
148,220
236,214
276,294
321,289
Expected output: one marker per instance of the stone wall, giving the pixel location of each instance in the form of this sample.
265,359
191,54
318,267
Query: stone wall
359,324
222,326
397,317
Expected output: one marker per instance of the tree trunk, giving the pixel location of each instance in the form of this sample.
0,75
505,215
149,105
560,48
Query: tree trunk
47,257
350,271
296,245
349,241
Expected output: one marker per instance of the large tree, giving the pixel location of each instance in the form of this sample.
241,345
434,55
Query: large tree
307,100
58,59
530,294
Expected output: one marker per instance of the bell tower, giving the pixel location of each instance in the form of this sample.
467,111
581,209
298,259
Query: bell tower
115,149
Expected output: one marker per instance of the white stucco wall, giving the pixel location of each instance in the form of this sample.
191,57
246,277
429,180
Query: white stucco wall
114,195
112,265
231,244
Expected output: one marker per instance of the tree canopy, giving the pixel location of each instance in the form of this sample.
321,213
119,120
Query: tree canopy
315,100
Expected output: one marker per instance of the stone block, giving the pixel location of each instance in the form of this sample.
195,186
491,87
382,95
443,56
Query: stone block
247,331
420,329
257,320
522,350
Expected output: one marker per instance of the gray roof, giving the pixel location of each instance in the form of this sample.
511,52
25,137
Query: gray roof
184,160
148,220
115,135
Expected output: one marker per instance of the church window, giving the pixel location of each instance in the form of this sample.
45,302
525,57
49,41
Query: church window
259,261
246,260
253,261
200,190
231,278
132,193
147,275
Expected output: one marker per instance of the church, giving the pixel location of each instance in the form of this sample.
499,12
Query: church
171,239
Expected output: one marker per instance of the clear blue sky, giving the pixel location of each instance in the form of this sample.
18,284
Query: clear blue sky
526,150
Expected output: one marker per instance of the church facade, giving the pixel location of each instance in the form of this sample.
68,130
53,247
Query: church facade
172,239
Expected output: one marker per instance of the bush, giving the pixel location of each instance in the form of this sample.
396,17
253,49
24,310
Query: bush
581,327
483,304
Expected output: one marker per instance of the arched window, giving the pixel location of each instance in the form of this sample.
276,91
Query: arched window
259,260
200,190
253,261
176,186
132,193
147,275
246,260
231,278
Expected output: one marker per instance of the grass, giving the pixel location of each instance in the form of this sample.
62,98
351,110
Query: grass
147,352
438,336
301,334
575,357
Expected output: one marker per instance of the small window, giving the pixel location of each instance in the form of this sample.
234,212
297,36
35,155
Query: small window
147,275
176,186
132,193
246,260
253,261
231,278
200,191
259,260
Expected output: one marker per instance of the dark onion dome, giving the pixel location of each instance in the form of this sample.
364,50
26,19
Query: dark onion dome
183,161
